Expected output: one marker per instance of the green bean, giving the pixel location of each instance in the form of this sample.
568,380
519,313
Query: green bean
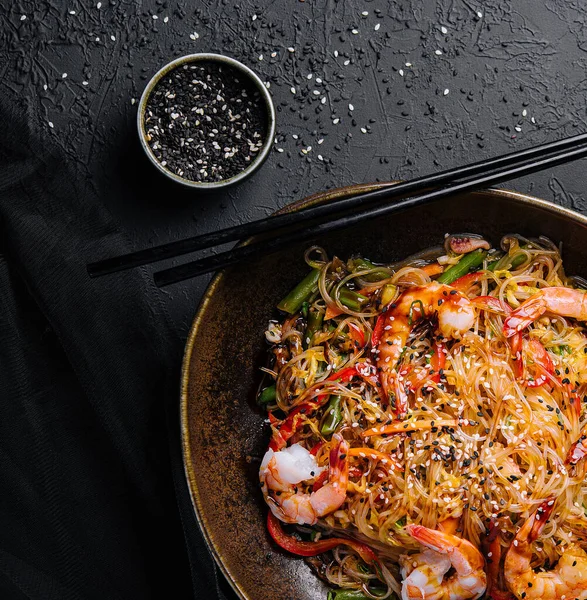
507,263
468,262
352,300
315,320
268,395
332,416
300,294
361,264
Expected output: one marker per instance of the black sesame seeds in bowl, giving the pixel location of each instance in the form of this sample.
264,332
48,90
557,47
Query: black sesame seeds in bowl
206,121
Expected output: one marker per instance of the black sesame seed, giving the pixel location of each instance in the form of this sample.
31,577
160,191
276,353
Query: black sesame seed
205,121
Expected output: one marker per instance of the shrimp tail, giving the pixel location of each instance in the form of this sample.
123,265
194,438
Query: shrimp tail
532,528
578,450
526,313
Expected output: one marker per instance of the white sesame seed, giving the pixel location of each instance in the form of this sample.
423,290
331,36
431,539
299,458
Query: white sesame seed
401,72
132,100
318,80
320,141
438,52
254,17
45,87
365,13
479,14
518,128
354,31
194,36
446,92
320,157
335,121
292,90
323,100
346,63
155,17
166,20
377,26
279,149
444,29
408,64
64,76
291,49
351,107
23,17
316,92
51,124
260,57
113,38
524,112
336,54
533,120
363,130
309,76
295,136
97,39
99,5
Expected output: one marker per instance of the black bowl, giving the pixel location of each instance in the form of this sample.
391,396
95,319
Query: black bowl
224,435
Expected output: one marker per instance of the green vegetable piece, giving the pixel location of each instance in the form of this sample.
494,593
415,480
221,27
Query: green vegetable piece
361,264
301,293
315,320
352,300
507,263
268,395
332,416
469,262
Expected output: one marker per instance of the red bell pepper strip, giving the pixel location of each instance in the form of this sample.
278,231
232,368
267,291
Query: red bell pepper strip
285,430
295,546
466,281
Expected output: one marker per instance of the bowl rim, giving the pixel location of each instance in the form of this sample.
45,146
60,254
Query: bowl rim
252,76
318,198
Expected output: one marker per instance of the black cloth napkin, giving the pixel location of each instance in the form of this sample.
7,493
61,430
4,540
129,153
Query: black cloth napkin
93,502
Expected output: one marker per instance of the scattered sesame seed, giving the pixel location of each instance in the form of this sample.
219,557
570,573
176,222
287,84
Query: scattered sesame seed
291,49
292,90
254,17
194,36
355,31
401,72
479,14
85,82
444,29
99,5
64,76
438,52
446,92
23,17
51,124
335,121
113,38
155,17
365,13
351,107
377,26
166,20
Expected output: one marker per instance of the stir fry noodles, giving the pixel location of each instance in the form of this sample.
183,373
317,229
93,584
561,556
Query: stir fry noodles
428,435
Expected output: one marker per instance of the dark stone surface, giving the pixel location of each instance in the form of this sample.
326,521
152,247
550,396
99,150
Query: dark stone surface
516,75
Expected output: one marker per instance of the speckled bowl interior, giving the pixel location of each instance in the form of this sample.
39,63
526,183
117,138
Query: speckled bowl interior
224,435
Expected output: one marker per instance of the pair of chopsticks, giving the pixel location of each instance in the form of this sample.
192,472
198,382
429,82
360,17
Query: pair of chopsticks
285,229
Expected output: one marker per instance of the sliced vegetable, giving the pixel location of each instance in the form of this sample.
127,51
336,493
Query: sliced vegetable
315,320
301,293
267,396
362,264
467,263
295,546
352,300
388,294
506,262
332,416
432,269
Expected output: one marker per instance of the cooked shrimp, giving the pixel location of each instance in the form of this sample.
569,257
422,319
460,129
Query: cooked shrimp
455,315
281,472
568,579
424,573
566,302
578,450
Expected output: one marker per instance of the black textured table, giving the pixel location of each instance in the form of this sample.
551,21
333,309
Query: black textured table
364,90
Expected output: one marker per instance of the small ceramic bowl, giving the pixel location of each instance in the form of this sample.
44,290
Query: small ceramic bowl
252,77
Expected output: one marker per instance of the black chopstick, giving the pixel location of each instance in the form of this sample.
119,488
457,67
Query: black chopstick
320,212
247,252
